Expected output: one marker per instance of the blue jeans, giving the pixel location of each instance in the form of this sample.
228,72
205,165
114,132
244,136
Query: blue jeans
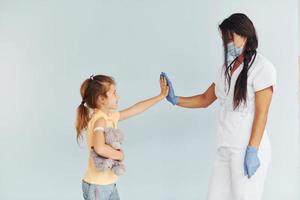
99,192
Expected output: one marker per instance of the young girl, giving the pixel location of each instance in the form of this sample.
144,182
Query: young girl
96,112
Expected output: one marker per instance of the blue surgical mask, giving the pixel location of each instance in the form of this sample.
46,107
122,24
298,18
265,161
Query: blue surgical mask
233,51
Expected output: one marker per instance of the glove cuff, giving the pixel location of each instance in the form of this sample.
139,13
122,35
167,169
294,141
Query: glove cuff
175,101
251,149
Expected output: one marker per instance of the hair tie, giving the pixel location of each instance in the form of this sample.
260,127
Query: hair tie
82,102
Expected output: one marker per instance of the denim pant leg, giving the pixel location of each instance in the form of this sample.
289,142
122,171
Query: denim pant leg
99,192
88,191
115,194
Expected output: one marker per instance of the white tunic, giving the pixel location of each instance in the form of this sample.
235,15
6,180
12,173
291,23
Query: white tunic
234,126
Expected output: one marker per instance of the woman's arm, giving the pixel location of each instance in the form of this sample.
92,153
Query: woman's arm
262,103
199,101
144,105
99,143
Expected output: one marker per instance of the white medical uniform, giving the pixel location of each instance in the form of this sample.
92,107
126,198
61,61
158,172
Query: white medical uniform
228,181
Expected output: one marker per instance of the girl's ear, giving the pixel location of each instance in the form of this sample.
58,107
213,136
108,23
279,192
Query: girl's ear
100,100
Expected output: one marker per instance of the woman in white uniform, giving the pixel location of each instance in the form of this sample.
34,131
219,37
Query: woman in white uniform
244,87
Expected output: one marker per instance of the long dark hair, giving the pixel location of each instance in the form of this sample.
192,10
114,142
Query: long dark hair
90,90
240,24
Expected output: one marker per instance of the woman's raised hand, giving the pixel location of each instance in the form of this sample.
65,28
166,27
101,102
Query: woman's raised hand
171,97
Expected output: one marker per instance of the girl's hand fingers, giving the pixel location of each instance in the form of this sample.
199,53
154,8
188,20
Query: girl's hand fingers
164,81
164,86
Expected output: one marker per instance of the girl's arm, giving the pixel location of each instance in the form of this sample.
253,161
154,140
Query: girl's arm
199,101
262,103
144,105
99,142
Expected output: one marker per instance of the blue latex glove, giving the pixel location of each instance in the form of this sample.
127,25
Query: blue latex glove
172,98
251,162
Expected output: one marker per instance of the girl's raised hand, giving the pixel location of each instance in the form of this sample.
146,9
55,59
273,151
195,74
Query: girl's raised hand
145,104
164,88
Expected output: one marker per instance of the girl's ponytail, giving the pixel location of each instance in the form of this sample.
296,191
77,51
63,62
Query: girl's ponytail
82,116
81,120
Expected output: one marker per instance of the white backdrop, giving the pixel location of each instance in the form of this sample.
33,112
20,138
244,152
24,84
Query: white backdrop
48,48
